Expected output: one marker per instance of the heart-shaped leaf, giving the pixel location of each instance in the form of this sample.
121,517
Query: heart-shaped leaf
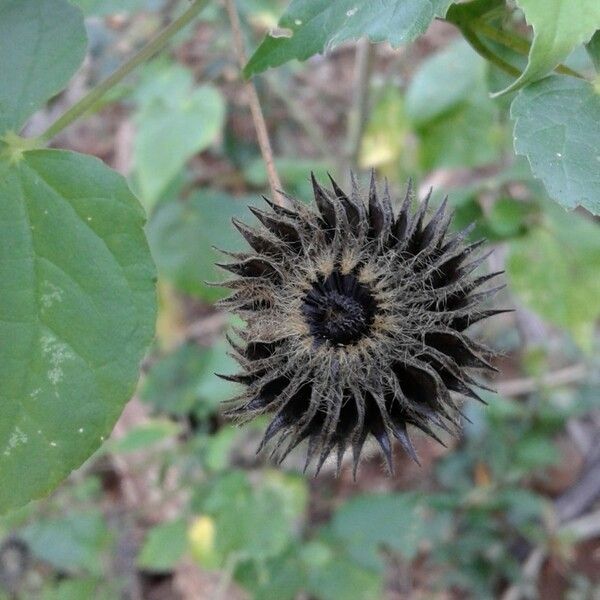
77,306
557,127
174,122
183,235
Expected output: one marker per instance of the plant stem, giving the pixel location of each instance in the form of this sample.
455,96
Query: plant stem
257,115
149,50
516,43
486,53
227,575
528,385
357,118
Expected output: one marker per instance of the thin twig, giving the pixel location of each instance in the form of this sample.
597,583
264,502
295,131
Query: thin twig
531,568
580,435
583,528
357,117
257,115
528,385
576,499
568,510
226,576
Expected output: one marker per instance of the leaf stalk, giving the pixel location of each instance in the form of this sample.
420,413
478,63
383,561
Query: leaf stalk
154,46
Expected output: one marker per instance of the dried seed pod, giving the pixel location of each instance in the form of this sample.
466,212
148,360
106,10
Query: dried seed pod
356,322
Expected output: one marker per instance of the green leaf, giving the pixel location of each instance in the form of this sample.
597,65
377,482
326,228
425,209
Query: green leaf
508,218
184,382
522,505
388,135
182,235
76,589
333,575
593,49
310,26
215,450
535,451
554,270
291,490
557,127
71,543
174,122
78,308
367,523
255,523
316,568
144,437
449,104
164,546
41,45
504,219
444,81
213,387
469,136
282,577
558,27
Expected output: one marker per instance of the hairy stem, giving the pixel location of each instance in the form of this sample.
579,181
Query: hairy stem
149,50
257,115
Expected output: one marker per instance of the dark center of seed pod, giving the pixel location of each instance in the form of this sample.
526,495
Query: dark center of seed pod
339,309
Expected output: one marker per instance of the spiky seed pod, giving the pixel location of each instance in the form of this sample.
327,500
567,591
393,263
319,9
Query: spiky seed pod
355,322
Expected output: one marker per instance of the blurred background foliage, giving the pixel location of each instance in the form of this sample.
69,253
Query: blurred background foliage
176,504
